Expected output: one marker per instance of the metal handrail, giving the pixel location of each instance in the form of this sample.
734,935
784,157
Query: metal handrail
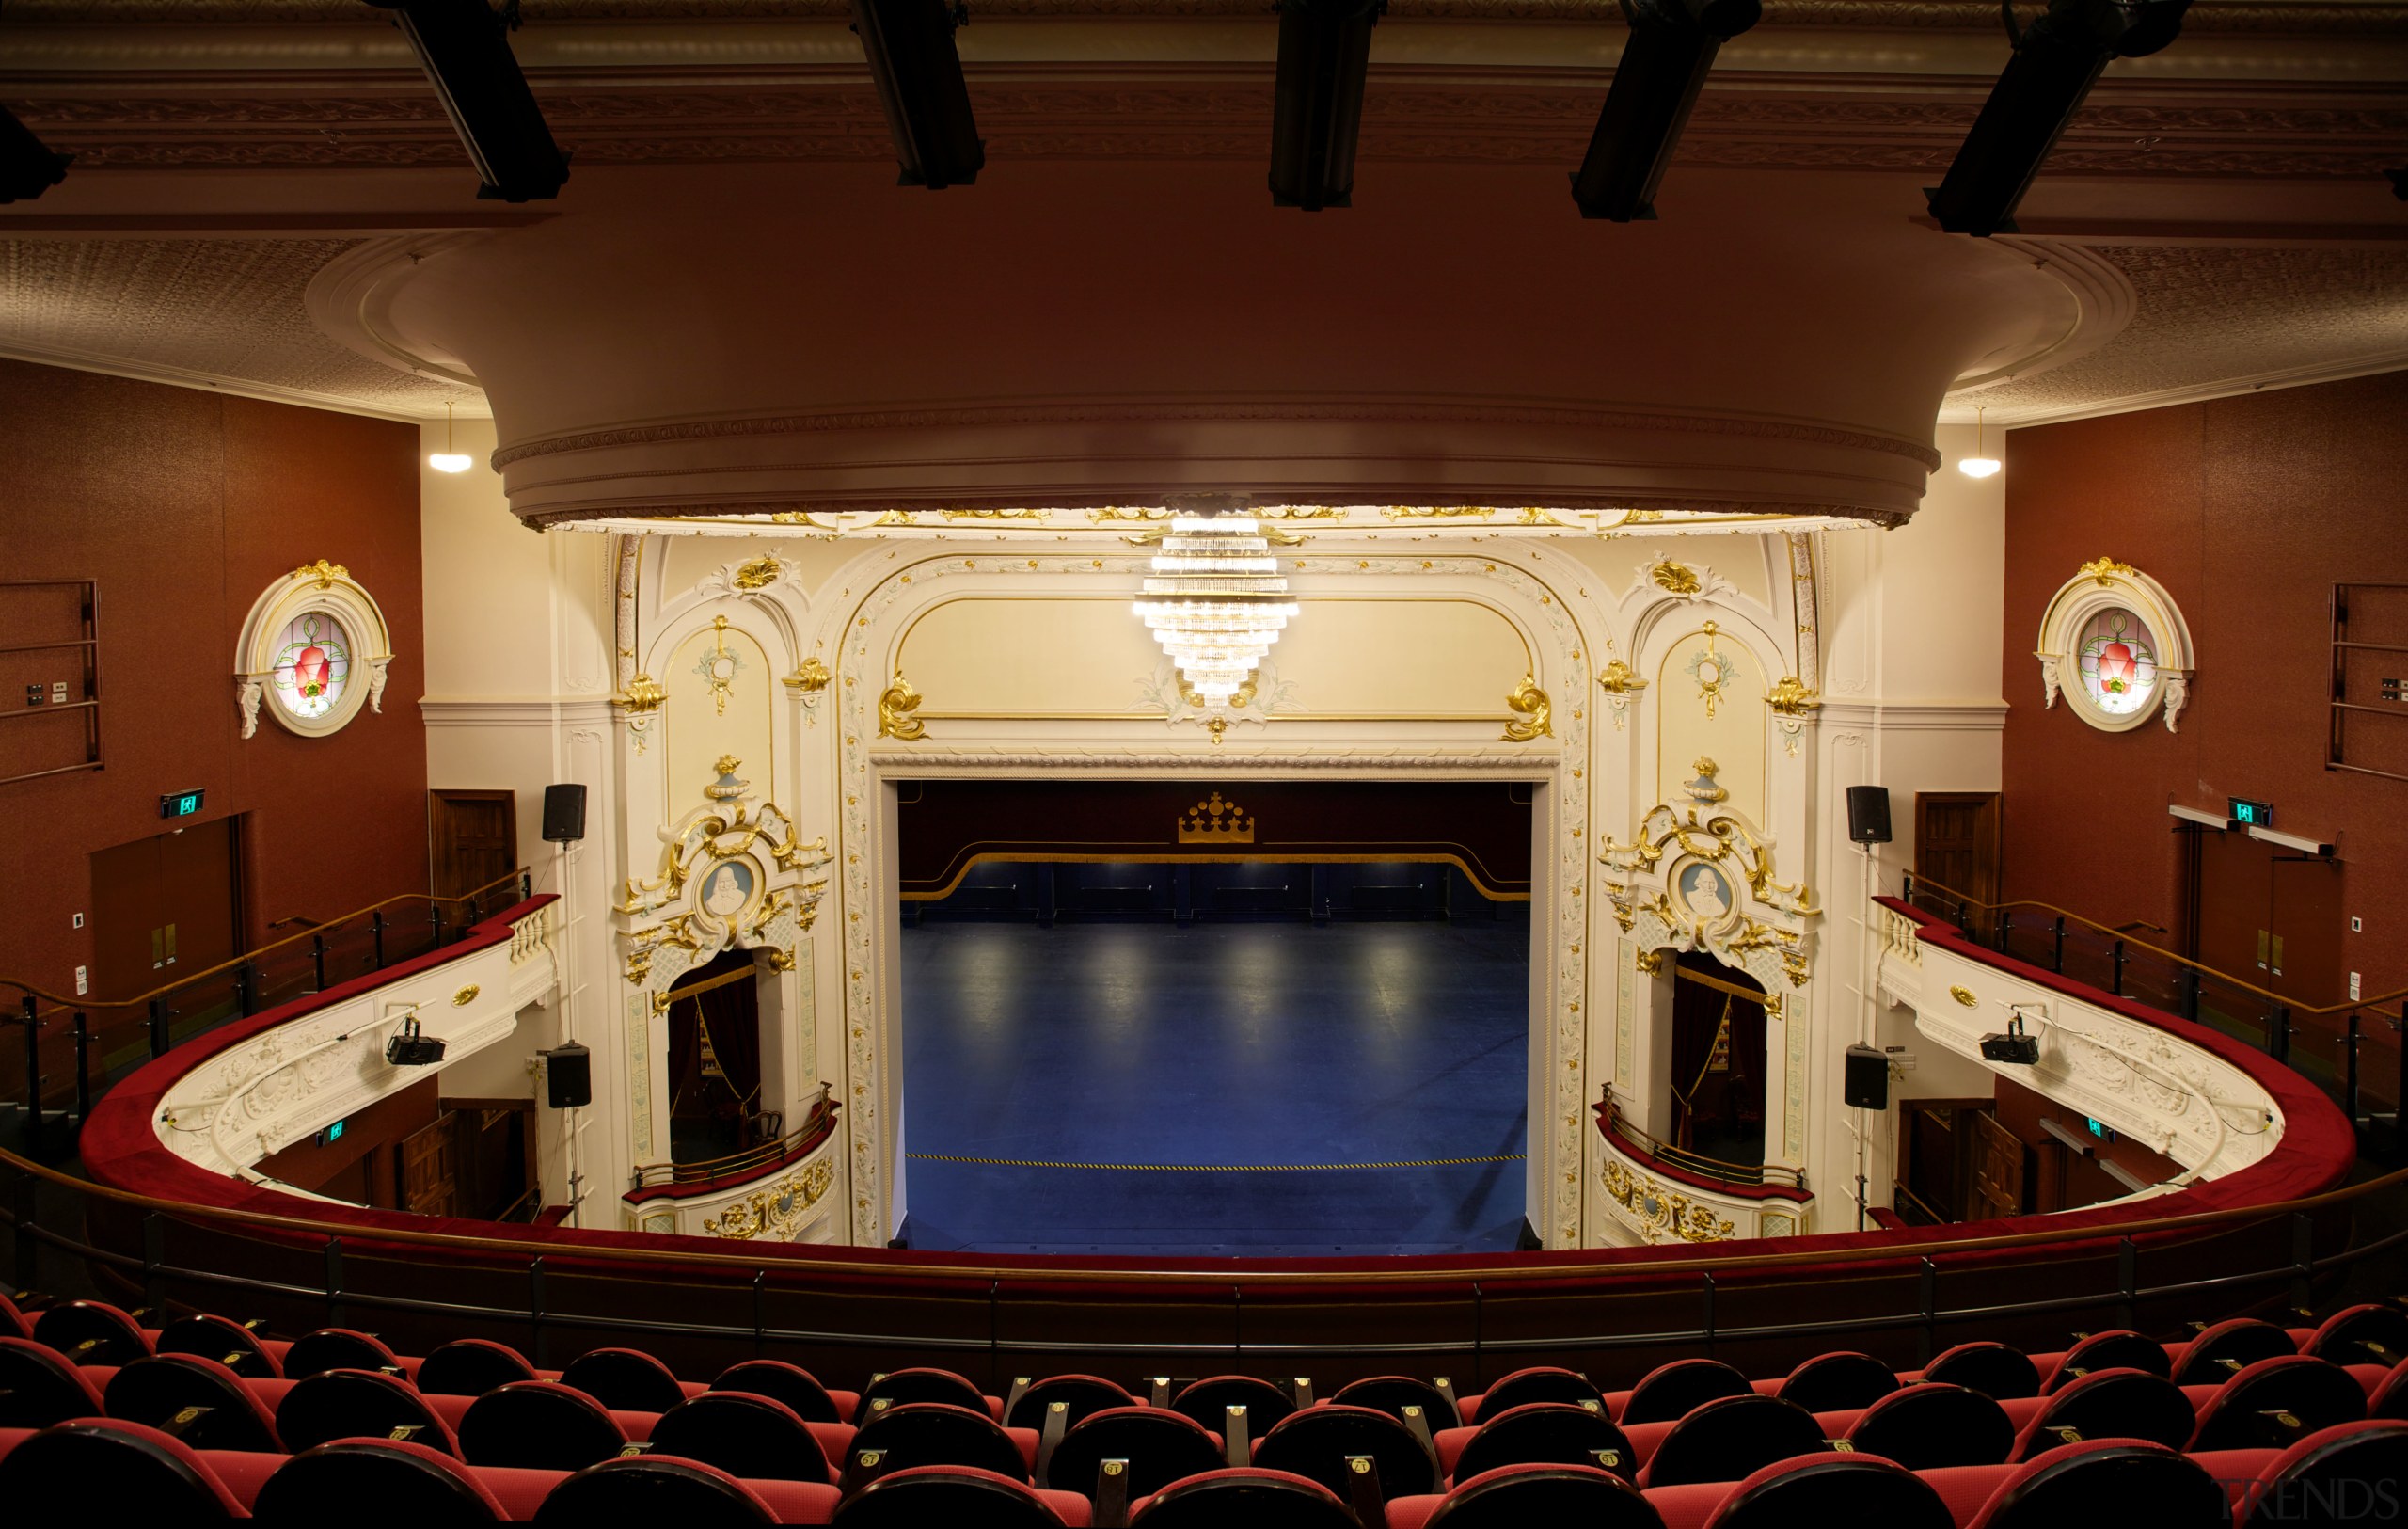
518,877
2296,1006
1740,1176
822,1117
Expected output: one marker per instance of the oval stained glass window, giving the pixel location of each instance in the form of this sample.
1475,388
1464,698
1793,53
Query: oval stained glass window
2116,660
312,666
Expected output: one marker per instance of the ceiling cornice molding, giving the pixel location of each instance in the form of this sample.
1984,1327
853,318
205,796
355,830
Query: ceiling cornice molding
176,377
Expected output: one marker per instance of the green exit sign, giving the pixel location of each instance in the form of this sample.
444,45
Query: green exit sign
2256,814
180,805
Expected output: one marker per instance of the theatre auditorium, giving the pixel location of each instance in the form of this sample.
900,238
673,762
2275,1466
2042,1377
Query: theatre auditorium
1204,764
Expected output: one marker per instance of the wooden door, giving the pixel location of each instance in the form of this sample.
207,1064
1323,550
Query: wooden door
128,952
1957,841
164,907
2303,922
1998,1170
2236,892
429,1186
472,837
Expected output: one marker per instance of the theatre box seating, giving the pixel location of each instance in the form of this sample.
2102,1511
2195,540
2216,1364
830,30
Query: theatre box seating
2243,1424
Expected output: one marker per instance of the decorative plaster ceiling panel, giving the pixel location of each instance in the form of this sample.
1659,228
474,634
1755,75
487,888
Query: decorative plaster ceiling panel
2211,320
193,310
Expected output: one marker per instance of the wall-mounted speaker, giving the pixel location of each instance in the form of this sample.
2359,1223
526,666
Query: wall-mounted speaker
568,1076
564,813
1867,1083
1868,814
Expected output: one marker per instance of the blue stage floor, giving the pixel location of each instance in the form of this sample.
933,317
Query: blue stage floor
1253,1044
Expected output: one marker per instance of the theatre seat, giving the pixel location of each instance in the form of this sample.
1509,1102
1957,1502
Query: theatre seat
1245,1498
471,1367
1160,1446
2223,1350
202,1402
1539,1383
1993,1369
2390,1399
1544,1433
902,1388
2117,1350
2353,1473
2109,1404
1393,1394
2276,1402
744,1435
2106,1482
13,1321
1933,1423
228,1343
380,1481
932,1495
1834,1489
1671,1391
360,1404
797,1387
1317,1442
2365,1334
1082,1395
540,1426
1208,1401
91,1333
75,1472
338,1348
1527,1496
650,1489
932,1433
1838,1383
625,1380
1731,1438
39,1386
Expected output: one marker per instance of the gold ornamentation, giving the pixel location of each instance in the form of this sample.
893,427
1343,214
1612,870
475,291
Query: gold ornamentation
1215,822
1108,515
325,573
1532,712
720,670
1622,687
640,968
1294,512
1711,668
1458,512
1792,703
466,996
2104,569
643,696
896,705
1705,788
1648,962
1965,996
759,574
781,961
810,676
776,1212
1662,1212
1240,699
726,787
994,515
1677,579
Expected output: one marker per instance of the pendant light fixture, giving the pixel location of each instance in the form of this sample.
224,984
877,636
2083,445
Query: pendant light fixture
1216,601
448,459
1977,465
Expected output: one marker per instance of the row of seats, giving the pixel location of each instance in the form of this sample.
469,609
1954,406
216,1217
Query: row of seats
2345,1475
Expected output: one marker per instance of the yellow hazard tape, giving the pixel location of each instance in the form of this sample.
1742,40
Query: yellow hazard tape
1208,1168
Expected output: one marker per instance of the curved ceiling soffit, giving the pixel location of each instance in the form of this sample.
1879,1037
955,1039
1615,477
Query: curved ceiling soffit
2102,301
351,298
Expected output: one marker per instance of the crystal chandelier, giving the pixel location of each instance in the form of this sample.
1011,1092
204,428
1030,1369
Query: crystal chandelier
1216,602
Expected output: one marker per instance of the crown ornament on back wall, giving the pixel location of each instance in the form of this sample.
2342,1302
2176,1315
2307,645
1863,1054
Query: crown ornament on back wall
1215,822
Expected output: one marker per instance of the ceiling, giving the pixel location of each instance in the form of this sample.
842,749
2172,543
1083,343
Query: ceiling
266,198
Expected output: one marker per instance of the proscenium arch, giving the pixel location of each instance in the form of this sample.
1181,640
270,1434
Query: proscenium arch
861,635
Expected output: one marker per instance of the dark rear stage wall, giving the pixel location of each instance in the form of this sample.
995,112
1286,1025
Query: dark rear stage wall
949,826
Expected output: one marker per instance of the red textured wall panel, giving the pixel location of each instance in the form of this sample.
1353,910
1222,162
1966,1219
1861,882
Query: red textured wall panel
183,505
2247,510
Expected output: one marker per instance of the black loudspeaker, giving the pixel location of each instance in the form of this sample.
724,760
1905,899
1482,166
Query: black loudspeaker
564,813
569,1074
1867,1086
1868,814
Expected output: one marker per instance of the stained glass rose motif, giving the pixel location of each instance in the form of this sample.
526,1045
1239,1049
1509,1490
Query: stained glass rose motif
312,666
2118,662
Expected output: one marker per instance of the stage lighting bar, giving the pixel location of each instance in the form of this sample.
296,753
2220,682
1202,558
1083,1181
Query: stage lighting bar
28,167
466,49
1317,107
2056,61
1672,46
918,72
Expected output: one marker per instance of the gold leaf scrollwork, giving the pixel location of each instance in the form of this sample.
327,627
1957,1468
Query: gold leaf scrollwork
1662,1212
1792,698
1648,962
2105,570
325,573
810,676
896,705
466,996
781,961
642,697
775,1213
759,574
1532,712
1675,577
1965,996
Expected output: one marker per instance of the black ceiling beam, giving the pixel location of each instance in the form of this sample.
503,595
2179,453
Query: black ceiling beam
2058,59
28,167
1663,67
1317,108
918,72
466,49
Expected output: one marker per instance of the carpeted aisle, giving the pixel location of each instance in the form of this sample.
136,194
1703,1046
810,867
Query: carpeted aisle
1264,1045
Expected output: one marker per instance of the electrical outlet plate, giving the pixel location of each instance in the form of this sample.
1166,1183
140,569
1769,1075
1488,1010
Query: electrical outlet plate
75,921
2357,925
2353,987
83,981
